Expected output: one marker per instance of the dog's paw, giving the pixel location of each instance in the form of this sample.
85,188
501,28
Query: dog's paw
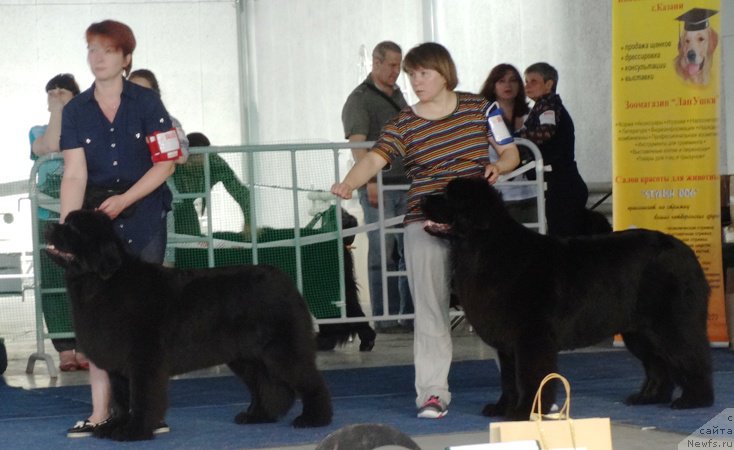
325,343
131,433
493,410
517,413
366,345
310,422
121,430
642,399
105,429
689,402
245,418
367,338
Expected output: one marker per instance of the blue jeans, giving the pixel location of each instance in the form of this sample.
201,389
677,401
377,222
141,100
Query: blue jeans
399,299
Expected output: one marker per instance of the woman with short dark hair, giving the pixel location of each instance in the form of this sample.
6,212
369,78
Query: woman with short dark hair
45,140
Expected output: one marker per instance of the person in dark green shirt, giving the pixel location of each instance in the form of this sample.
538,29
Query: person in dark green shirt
189,178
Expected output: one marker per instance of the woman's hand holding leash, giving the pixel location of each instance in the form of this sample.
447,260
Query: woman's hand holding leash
491,173
342,190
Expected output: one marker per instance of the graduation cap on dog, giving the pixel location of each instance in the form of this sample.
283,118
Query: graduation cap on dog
696,19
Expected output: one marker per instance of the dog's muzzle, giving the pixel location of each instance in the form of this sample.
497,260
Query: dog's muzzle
58,253
436,228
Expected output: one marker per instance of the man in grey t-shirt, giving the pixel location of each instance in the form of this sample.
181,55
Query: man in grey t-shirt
369,106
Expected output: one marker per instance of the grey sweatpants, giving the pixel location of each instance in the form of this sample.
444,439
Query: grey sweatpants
429,275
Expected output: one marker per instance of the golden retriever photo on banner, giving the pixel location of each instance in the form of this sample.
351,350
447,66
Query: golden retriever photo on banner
696,45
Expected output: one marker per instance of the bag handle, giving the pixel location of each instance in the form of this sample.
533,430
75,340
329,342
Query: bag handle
536,412
324,216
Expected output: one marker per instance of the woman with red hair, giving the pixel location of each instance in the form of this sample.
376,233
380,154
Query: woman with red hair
108,167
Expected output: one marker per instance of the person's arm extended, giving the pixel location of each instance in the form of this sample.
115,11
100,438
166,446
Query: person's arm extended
73,182
359,153
361,173
154,177
221,171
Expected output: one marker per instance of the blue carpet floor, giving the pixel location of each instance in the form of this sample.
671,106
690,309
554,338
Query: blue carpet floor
201,410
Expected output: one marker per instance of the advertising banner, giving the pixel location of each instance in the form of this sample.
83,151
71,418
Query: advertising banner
665,117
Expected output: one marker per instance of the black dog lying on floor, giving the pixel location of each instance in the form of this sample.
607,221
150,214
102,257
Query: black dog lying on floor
143,323
530,296
333,334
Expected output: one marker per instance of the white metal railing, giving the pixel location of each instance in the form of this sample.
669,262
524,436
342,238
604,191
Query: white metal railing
388,225
384,225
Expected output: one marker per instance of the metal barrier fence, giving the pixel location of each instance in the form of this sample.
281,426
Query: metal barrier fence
311,254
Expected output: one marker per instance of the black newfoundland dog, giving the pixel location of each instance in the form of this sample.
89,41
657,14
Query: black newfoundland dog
529,296
143,323
333,334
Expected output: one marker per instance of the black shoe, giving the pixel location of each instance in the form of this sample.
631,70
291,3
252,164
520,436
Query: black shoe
83,428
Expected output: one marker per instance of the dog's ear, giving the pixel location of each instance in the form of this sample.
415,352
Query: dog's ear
103,261
713,41
473,199
111,260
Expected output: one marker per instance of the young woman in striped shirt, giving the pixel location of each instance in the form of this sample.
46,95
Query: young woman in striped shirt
443,136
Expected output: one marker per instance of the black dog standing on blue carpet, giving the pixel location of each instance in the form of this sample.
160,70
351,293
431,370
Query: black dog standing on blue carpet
530,296
143,323
333,334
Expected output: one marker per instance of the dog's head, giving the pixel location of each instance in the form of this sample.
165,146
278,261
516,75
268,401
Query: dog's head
695,49
85,243
467,205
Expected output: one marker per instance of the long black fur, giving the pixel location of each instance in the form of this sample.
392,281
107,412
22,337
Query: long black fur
530,296
143,323
331,335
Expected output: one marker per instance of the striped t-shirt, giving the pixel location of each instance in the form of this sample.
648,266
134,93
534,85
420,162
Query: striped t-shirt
436,151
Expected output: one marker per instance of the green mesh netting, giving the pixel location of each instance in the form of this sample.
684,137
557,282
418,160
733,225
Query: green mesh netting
319,264
231,209
55,304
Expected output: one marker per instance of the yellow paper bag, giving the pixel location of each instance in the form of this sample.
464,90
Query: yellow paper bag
560,432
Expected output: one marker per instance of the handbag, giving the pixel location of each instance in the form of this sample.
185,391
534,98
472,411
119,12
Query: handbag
558,432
